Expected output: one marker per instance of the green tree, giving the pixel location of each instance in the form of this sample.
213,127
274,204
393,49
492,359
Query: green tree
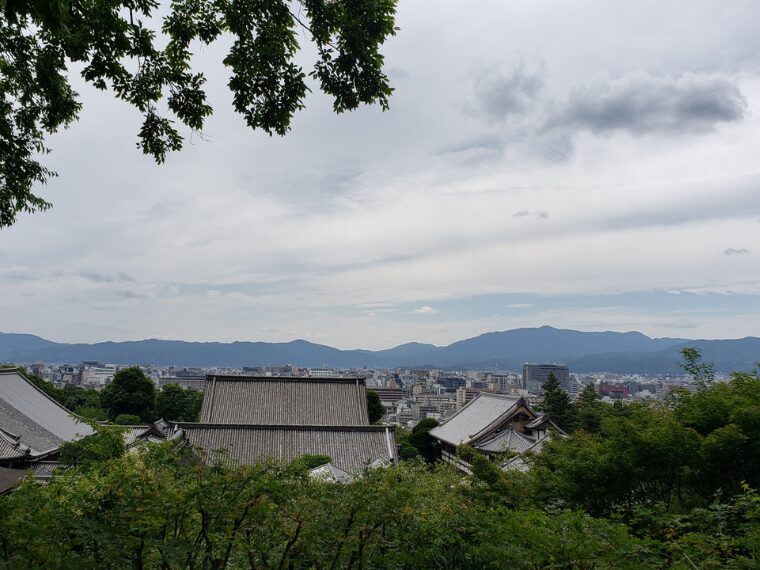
127,420
557,404
178,404
105,444
115,45
422,441
702,373
589,410
375,408
130,392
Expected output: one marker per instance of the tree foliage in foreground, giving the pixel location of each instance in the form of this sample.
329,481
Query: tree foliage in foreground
156,509
142,51
159,508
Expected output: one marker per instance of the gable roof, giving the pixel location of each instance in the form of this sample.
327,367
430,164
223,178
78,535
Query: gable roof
507,440
481,414
268,400
522,462
33,417
350,448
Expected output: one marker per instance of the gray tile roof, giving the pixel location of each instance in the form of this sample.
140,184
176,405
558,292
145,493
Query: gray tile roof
521,463
284,401
474,419
9,478
11,447
39,421
156,431
507,440
350,448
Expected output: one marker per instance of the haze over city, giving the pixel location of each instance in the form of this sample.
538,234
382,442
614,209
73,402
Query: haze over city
572,164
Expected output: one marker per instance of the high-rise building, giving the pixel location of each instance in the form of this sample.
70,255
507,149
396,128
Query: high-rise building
534,376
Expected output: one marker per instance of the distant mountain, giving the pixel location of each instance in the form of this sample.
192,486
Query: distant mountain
628,352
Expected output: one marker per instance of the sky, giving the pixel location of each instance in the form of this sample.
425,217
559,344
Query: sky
591,165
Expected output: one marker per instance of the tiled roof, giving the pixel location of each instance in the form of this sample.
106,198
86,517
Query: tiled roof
157,431
519,463
11,447
480,413
507,440
9,478
284,401
40,422
350,448
328,473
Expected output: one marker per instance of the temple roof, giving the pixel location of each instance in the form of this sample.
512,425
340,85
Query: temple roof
483,412
350,448
284,401
507,440
9,478
32,416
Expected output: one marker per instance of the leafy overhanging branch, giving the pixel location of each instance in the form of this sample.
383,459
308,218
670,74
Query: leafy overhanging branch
39,39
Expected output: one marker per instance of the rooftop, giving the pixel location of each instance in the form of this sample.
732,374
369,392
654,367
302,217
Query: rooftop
33,417
350,448
482,412
268,400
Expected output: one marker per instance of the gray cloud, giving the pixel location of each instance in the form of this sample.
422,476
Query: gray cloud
641,103
735,251
500,93
97,277
539,214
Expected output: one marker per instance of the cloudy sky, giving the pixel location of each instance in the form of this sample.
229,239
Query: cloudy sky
590,164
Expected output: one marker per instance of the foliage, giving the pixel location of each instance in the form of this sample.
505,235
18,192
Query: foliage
310,461
422,441
141,50
105,444
156,509
589,410
130,392
557,404
93,414
702,373
677,455
178,404
126,420
406,450
375,407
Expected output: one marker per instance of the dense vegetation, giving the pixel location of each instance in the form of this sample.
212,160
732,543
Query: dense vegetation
652,484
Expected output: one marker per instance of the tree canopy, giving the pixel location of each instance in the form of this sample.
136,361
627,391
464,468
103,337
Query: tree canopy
178,404
142,51
375,408
130,392
557,404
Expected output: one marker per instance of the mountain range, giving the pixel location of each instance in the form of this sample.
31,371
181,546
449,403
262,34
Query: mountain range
630,352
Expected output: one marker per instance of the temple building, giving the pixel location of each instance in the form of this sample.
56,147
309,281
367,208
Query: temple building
33,426
254,419
500,427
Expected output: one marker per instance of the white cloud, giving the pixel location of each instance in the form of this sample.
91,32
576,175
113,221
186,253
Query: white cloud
426,310
376,212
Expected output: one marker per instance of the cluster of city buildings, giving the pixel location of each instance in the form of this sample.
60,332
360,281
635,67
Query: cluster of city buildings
409,395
